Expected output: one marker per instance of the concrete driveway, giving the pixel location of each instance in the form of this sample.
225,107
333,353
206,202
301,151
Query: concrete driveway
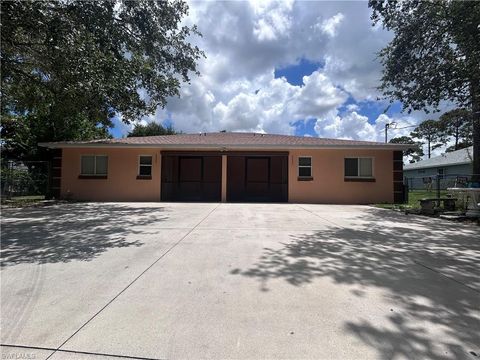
251,281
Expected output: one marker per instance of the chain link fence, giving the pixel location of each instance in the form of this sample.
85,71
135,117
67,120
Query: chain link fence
440,182
24,179
437,187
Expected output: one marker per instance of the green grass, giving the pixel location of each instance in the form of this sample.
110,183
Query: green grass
414,197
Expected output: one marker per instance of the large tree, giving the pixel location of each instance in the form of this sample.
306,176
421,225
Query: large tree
67,63
151,129
428,132
434,56
415,153
457,124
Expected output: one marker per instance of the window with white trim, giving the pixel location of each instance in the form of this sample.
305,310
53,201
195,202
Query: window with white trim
304,167
94,165
145,165
359,167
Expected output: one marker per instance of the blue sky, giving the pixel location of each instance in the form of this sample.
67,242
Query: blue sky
303,68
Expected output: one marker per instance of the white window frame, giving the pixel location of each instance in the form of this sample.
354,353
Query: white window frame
304,166
358,167
94,164
139,165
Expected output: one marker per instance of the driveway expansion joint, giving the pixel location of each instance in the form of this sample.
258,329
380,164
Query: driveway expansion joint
77,352
132,282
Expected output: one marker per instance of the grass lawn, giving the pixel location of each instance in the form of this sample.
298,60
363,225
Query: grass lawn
413,199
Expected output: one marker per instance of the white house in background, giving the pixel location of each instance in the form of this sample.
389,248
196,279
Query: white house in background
450,166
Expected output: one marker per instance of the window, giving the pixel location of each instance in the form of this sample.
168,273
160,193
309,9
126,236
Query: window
145,166
94,165
440,173
359,167
305,167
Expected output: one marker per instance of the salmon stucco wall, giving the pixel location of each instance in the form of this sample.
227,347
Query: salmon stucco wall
121,183
329,186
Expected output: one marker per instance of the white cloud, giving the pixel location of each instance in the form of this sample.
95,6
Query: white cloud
351,126
329,26
259,105
272,19
245,41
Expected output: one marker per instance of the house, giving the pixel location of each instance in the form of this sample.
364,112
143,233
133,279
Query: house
231,167
451,167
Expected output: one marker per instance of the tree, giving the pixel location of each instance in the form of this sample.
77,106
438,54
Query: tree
433,57
429,131
67,63
21,134
415,153
458,125
151,129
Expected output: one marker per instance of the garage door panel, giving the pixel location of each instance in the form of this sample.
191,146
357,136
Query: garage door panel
258,170
278,169
190,169
257,189
212,169
235,178
191,178
211,191
257,178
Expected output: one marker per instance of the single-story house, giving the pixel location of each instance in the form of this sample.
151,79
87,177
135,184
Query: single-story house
229,167
448,166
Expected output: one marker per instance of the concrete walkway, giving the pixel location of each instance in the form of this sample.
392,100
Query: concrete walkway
239,281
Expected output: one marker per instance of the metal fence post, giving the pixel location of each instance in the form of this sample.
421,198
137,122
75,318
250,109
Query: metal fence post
9,179
438,190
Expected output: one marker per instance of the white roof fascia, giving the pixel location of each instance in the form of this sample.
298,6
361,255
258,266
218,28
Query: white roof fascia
55,145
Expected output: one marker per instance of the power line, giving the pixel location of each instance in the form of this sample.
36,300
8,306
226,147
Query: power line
405,127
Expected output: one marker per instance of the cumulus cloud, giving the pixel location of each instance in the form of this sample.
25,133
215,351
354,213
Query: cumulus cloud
274,107
329,26
245,42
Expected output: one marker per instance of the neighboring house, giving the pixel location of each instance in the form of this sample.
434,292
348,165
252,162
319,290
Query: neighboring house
233,167
451,167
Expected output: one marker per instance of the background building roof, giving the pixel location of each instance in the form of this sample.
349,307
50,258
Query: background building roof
462,156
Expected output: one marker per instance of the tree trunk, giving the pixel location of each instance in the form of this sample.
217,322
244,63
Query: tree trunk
475,91
456,137
428,147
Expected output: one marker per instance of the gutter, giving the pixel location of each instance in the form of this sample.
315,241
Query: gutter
221,147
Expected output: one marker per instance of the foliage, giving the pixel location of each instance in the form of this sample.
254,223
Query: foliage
21,134
151,129
76,64
429,130
433,56
457,124
416,153
20,181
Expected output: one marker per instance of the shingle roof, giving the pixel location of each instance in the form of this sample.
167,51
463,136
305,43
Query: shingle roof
226,139
462,156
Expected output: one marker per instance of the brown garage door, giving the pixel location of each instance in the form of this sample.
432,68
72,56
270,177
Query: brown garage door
191,178
257,178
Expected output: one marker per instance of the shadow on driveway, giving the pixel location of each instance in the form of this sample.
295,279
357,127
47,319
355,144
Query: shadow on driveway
71,231
402,255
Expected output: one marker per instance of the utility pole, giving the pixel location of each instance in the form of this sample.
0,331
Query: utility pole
392,125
